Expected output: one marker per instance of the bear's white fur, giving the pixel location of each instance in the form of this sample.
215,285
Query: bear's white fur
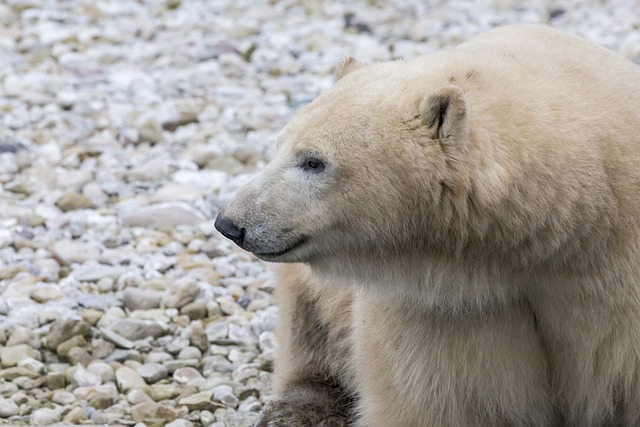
467,228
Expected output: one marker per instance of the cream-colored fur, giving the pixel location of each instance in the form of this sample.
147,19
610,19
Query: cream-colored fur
468,228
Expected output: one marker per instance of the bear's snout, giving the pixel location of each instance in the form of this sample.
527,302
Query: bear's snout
229,229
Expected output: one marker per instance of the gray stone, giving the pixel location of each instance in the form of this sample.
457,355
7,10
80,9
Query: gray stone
224,394
128,379
20,335
135,329
200,401
102,370
198,338
242,334
73,251
63,330
11,374
116,338
75,416
64,348
190,353
78,355
163,215
56,380
161,392
250,404
187,375
10,356
83,377
63,397
45,293
151,412
195,310
180,423
141,299
8,408
45,417
137,396
72,201
32,365
181,293
207,418
153,372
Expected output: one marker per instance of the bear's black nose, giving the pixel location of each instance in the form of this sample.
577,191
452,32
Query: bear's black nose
229,229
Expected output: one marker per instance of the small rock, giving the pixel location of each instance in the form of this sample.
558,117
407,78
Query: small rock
141,299
63,330
20,335
224,394
137,396
134,329
102,370
117,339
163,215
8,389
63,397
180,423
10,356
124,355
200,401
153,372
73,201
250,404
195,310
91,316
161,392
207,418
76,416
46,293
229,307
101,349
45,417
78,355
242,334
65,347
8,408
173,365
72,251
181,293
150,131
152,413
187,375
198,338
102,400
32,364
158,357
83,377
128,379
56,380
189,353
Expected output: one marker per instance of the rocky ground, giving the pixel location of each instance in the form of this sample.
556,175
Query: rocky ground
124,127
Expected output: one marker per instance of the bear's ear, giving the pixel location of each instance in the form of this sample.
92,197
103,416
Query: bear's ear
444,111
346,66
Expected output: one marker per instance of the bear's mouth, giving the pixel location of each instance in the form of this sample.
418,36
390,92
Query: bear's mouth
273,256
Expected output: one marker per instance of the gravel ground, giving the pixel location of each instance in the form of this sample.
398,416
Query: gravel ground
124,127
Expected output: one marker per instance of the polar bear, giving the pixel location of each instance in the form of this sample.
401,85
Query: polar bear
460,239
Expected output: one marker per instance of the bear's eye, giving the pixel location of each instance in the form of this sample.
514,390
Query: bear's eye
312,164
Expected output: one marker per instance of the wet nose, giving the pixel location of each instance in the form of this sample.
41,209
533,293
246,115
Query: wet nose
229,229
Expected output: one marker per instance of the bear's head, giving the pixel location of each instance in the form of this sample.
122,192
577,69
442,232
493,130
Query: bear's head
360,171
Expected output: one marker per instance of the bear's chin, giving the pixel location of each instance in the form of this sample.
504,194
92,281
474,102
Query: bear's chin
289,255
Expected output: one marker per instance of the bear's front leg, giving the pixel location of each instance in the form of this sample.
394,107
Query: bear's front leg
478,367
308,404
312,377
